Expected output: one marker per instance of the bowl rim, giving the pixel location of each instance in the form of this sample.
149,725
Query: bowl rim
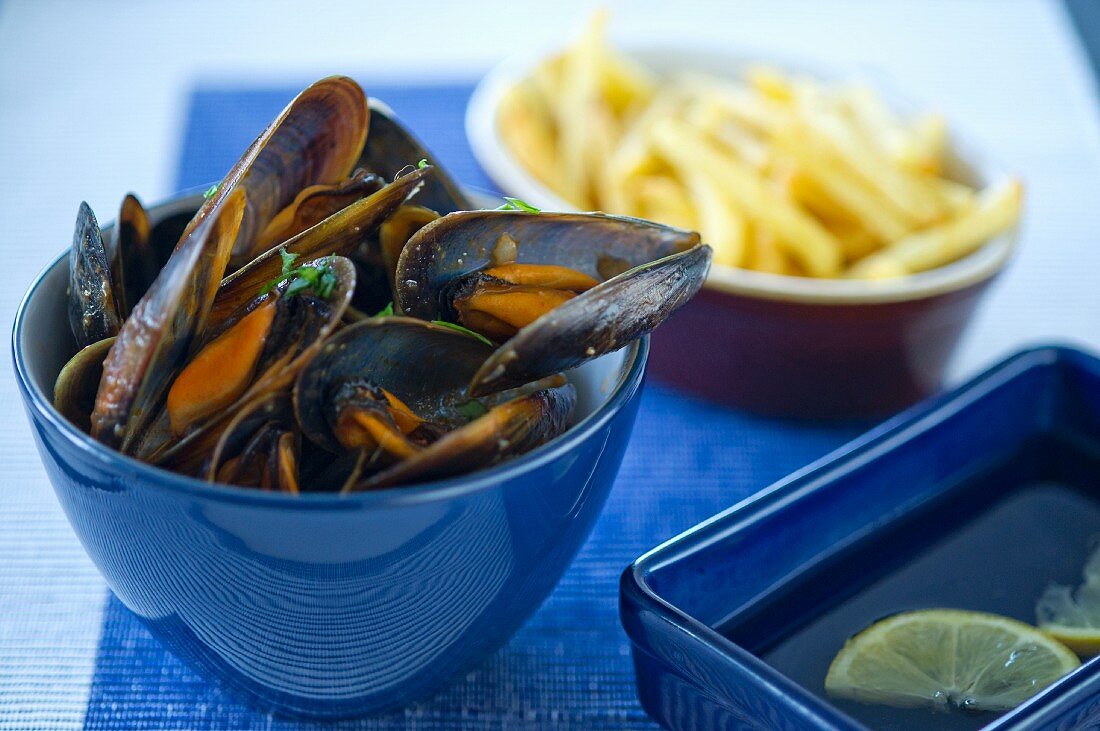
982,264
41,409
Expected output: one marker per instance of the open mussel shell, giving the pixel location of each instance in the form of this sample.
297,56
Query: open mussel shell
313,205
391,147
76,386
645,272
316,140
154,340
598,321
396,231
512,428
298,331
459,244
427,367
376,259
93,308
338,234
134,261
268,461
259,439
165,234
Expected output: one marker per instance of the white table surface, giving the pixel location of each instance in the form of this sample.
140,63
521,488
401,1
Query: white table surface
92,98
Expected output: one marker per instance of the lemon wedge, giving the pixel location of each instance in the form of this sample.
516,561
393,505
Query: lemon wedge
1073,616
942,657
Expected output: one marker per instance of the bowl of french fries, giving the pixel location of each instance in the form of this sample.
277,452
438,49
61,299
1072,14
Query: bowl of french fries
853,233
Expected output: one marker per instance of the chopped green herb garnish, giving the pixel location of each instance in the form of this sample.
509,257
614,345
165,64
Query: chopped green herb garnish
213,189
464,331
515,204
423,163
288,257
386,311
472,409
317,275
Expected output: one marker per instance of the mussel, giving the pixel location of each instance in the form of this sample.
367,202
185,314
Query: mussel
391,147
160,330
134,261
237,342
75,390
259,447
553,289
93,306
315,204
381,385
316,140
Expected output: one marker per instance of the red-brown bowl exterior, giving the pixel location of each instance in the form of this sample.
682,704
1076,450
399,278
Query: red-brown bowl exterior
812,360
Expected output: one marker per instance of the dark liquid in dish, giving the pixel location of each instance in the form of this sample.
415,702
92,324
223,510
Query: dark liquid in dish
983,548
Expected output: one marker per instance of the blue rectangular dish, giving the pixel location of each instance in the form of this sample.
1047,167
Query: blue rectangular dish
977,500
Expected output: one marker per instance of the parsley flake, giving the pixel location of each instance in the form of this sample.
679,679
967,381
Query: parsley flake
465,331
317,275
471,409
515,204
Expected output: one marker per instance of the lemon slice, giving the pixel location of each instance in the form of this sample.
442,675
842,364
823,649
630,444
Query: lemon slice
1073,617
941,657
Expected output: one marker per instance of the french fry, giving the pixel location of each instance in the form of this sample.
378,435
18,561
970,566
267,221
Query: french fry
712,120
755,112
627,87
920,146
720,224
906,193
877,266
809,242
580,90
957,196
875,120
604,134
741,142
997,210
770,82
634,154
855,242
528,130
843,187
804,189
546,79
663,199
766,253
925,148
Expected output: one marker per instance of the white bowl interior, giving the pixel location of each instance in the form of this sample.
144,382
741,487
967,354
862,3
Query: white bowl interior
45,338
966,164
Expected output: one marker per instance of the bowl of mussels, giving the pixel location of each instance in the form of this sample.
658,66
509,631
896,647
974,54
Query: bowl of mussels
333,430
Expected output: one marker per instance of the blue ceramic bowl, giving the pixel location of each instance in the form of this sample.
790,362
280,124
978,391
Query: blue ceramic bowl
322,605
976,500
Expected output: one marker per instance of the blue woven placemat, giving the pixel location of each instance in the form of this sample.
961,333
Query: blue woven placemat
569,667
